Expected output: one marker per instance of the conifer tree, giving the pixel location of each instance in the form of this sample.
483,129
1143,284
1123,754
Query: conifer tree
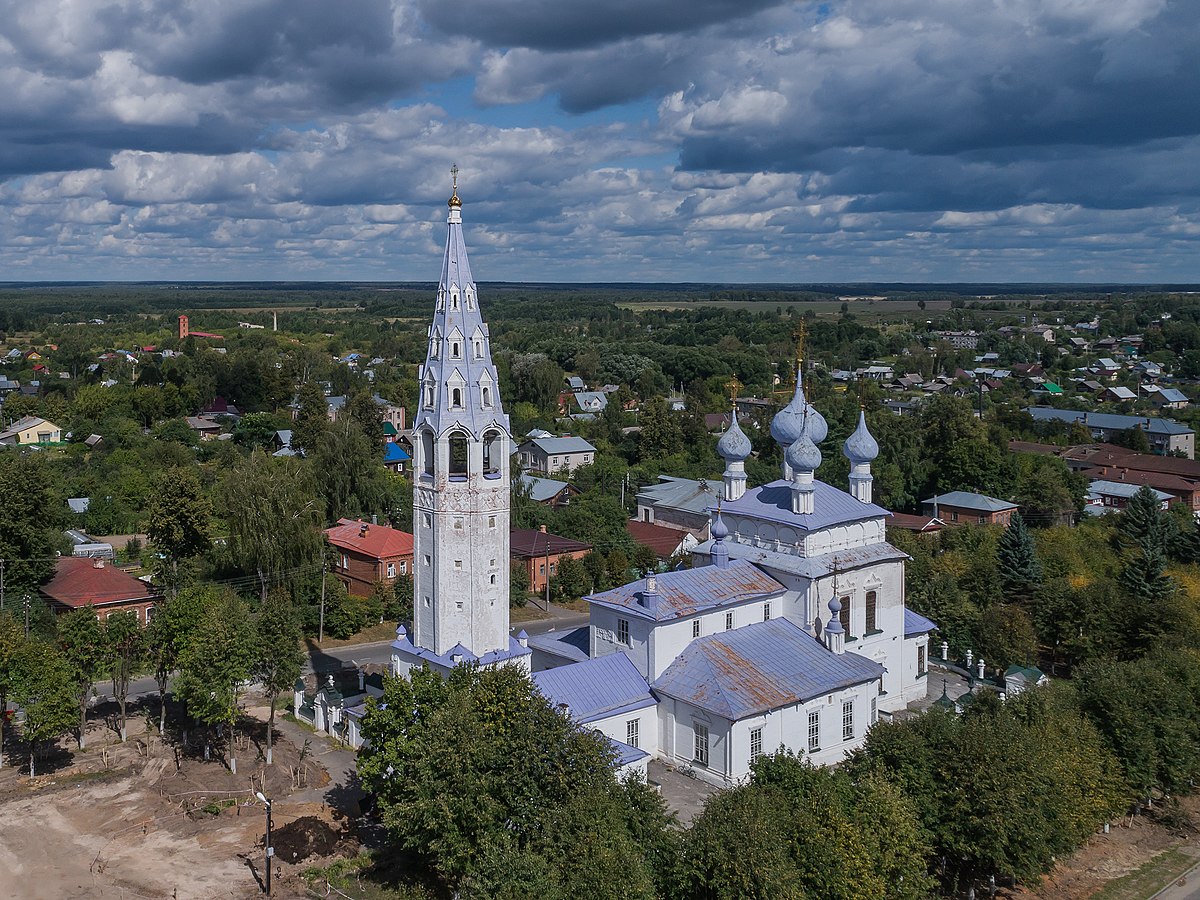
1144,521
1148,592
1020,571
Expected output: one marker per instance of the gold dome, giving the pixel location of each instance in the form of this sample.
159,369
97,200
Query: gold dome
454,202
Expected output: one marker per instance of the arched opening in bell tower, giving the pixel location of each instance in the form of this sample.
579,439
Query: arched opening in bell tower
459,455
493,454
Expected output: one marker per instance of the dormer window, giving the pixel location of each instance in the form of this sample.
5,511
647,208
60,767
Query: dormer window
429,396
454,350
454,301
434,348
479,350
487,398
456,398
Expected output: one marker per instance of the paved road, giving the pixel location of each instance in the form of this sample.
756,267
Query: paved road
1186,887
377,652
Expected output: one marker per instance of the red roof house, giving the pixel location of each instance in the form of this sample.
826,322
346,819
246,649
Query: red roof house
83,581
369,554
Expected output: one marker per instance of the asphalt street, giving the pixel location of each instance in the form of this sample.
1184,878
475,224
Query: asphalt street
375,653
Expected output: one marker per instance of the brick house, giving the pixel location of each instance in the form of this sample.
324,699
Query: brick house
84,581
540,552
964,507
368,554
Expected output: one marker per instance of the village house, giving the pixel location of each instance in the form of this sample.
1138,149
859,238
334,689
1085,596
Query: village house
667,543
548,491
369,554
679,503
1164,435
1106,496
549,455
967,508
84,581
540,552
31,430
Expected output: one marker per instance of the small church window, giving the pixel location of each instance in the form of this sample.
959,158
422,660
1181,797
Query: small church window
487,398
729,621
454,348
814,731
766,612
429,396
456,398
871,604
493,579
623,632
755,743
848,720
695,628
700,751
427,453
479,350
631,732
844,615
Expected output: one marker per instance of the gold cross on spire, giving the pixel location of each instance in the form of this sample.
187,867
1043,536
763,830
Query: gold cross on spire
800,334
733,386
454,201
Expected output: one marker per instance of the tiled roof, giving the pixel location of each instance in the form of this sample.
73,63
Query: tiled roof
596,688
971,501
831,506
688,591
528,542
376,541
1111,421
758,668
915,623
77,582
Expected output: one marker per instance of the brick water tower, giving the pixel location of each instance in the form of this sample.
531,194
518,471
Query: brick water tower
183,327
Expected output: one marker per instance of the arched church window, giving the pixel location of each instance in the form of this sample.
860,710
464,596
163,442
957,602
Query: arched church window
429,396
454,301
427,452
487,398
456,398
493,453
458,455
479,349
454,354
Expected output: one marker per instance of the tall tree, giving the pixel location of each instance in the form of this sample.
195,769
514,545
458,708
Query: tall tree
178,519
123,652
274,517
1148,595
175,619
12,640
1019,569
277,656
349,473
1144,521
82,642
215,664
312,418
44,690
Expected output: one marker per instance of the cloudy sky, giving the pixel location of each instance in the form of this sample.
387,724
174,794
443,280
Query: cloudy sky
610,140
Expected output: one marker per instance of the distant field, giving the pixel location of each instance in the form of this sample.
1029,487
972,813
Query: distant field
878,309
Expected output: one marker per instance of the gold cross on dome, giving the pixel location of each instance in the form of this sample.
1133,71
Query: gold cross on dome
454,177
733,386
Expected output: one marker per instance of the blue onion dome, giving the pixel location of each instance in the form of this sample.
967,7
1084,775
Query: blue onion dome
734,446
719,530
861,447
835,608
789,421
803,455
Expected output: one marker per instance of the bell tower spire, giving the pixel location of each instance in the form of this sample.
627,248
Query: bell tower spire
461,448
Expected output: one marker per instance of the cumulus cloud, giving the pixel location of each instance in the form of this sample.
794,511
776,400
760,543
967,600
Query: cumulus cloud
663,140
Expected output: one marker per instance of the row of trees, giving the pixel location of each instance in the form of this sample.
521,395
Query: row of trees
494,793
208,637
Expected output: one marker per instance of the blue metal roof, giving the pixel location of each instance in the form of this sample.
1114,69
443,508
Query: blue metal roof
404,643
596,688
758,668
393,453
627,754
560,445
1152,424
542,489
689,591
1172,395
831,506
915,624
572,645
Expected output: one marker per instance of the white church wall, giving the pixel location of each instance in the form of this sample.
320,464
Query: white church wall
617,728
605,636
915,684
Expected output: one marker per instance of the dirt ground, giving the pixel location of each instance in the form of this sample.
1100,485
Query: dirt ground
1108,856
141,820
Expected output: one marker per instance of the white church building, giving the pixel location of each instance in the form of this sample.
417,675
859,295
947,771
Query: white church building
789,631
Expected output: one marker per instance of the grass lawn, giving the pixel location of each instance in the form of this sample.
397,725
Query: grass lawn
1150,877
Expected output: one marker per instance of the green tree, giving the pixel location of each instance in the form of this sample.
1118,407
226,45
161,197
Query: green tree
274,517
349,474
43,687
123,653
571,580
1020,571
1143,521
312,418
82,643
12,641
495,790
277,655
661,433
215,663
178,519
170,629
1149,596
518,585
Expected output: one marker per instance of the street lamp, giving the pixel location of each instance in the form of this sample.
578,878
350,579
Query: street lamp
270,849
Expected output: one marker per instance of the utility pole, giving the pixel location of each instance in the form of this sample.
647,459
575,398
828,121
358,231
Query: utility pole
547,571
269,851
1,585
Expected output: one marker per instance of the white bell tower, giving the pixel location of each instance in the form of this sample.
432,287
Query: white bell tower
461,450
